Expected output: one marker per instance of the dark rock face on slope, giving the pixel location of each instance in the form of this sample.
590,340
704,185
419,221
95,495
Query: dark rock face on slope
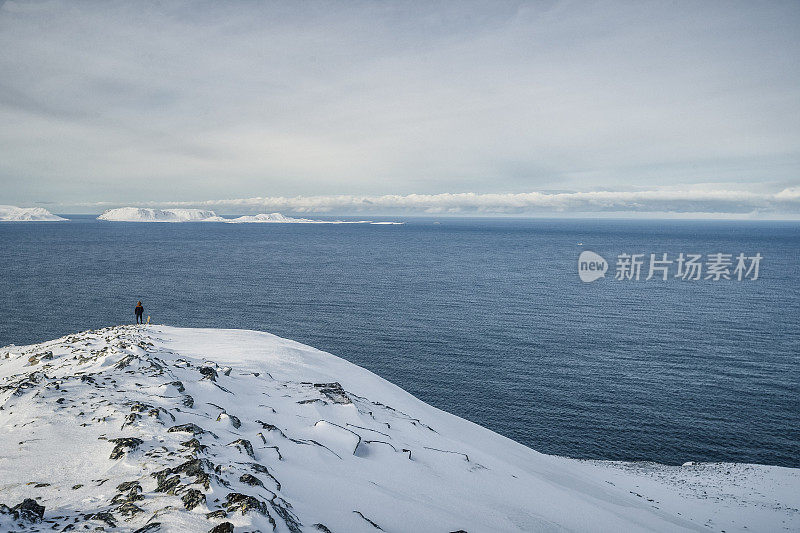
26,511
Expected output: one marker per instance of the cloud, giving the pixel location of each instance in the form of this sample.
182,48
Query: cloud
138,101
661,202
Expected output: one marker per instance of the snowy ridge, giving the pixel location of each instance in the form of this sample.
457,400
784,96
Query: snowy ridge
146,214
170,429
12,213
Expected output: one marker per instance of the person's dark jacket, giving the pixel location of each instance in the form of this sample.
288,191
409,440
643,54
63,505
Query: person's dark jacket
139,310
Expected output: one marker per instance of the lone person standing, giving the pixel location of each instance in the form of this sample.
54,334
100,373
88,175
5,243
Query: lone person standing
139,310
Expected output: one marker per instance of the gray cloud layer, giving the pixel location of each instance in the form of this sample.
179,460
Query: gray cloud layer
136,102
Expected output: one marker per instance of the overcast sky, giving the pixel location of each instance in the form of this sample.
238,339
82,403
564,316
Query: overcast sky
688,108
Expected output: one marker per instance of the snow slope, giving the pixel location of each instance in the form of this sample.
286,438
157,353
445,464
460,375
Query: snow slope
11,213
172,429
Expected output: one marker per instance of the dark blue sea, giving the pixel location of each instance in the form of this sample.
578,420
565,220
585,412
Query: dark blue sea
484,318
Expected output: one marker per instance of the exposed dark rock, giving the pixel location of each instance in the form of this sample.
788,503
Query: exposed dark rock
129,492
270,427
235,422
194,429
129,509
195,445
208,373
236,501
227,370
225,527
373,524
106,517
205,480
282,509
193,467
76,487
188,401
251,480
193,498
264,470
128,485
219,513
244,445
168,484
178,385
125,361
334,392
140,407
323,528
28,510
123,444
127,497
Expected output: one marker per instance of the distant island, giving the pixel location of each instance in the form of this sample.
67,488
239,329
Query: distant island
147,214
12,213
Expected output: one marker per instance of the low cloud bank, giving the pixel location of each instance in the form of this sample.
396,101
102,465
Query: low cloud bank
708,202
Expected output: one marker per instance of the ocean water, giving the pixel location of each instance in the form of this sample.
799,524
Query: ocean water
484,318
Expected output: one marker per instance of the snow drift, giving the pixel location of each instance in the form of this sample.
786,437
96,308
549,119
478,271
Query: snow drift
170,429
11,213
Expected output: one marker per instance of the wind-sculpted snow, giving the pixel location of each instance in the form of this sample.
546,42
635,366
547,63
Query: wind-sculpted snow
142,429
146,214
12,213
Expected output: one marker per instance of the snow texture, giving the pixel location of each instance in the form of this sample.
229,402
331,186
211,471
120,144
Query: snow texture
11,213
136,428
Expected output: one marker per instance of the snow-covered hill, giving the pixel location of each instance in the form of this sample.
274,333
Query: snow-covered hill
12,213
273,218
146,214
167,429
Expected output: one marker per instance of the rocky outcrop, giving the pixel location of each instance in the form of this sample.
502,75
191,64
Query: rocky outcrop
124,445
26,511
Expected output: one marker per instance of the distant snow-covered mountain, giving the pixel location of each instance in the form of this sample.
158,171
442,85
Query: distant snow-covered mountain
272,217
147,214
147,429
12,213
